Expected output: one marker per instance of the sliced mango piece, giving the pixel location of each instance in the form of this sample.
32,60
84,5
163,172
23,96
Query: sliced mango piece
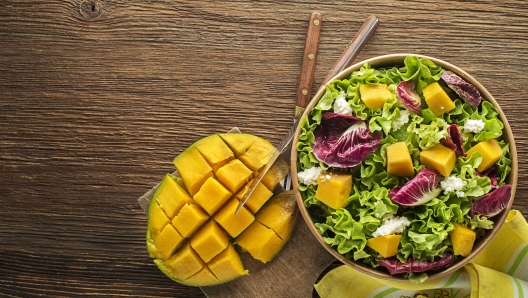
258,198
157,219
437,99
171,196
440,158
276,173
386,246
262,243
185,263
491,153
234,225
399,161
193,169
204,277
257,155
215,151
462,239
333,189
227,265
374,96
167,241
212,196
189,219
209,241
238,142
279,214
234,175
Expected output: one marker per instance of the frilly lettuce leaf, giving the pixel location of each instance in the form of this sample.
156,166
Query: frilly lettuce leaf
428,134
503,165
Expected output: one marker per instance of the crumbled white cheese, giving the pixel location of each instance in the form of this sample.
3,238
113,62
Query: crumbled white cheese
341,105
400,121
392,225
453,183
309,176
474,126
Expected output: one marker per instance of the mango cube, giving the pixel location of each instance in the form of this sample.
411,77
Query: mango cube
260,242
185,263
157,219
234,225
334,189
167,242
440,158
212,195
257,155
462,239
209,241
399,161
234,175
258,198
386,246
227,265
171,196
193,169
437,99
204,277
189,219
238,142
491,152
276,173
215,151
374,96
279,214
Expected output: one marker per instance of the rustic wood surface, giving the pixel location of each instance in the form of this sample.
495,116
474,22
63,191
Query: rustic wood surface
97,97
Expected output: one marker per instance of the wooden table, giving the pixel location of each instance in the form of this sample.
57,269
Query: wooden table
97,97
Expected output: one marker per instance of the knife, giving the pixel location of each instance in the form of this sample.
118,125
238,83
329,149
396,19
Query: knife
306,80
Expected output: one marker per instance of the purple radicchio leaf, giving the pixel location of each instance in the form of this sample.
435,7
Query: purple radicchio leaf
454,140
412,265
492,203
343,141
465,90
424,187
492,175
408,96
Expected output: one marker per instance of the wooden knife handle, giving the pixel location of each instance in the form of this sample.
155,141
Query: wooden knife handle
304,89
354,47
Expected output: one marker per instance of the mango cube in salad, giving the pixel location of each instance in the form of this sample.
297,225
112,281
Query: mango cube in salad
440,158
399,161
437,99
462,239
491,153
334,189
374,96
386,246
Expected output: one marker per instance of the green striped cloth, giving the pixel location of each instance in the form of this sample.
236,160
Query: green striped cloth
499,271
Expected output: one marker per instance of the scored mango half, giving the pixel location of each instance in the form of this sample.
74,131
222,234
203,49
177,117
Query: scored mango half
192,228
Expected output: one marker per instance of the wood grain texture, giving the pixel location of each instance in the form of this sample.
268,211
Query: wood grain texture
97,97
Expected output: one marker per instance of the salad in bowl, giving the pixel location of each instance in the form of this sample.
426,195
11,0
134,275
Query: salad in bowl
404,167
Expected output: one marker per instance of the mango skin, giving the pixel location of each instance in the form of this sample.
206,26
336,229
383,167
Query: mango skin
386,246
440,158
462,239
491,152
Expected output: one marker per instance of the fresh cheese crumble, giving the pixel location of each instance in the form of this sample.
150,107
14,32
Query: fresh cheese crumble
341,105
453,183
400,121
309,176
474,126
392,225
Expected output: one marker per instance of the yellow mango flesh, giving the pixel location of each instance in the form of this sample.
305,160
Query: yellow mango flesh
234,225
440,158
191,218
262,243
437,99
279,214
386,246
333,189
490,151
227,265
193,169
374,96
399,161
462,239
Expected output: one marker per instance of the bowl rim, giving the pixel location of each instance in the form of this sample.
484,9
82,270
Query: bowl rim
392,60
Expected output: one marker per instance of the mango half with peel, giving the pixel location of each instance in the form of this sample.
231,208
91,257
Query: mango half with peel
192,227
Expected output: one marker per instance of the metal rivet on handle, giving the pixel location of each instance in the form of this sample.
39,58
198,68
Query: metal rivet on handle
316,22
305,91
311,56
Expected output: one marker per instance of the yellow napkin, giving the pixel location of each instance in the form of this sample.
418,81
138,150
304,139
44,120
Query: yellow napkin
499,271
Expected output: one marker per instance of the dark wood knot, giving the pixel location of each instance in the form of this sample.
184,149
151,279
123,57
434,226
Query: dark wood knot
90,9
